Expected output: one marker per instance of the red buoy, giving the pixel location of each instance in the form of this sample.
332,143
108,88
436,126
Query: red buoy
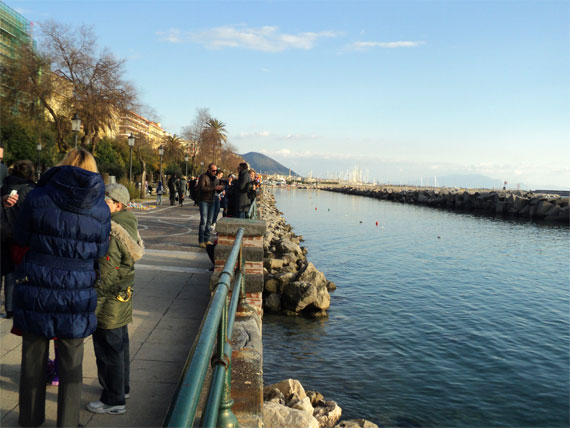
376,223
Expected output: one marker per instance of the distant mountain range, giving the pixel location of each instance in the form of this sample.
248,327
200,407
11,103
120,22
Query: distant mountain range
265,165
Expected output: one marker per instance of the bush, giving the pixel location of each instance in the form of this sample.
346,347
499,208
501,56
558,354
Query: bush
134,193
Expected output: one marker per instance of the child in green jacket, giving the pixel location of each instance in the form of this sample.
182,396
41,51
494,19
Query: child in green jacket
114,304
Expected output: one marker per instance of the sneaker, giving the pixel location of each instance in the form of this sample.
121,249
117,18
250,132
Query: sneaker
203,245
100,407
127,395
54,381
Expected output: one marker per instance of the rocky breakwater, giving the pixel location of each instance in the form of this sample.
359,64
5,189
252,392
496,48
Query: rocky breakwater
525,205
292,284
287,404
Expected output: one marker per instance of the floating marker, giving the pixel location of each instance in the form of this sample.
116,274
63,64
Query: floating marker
315,208
376,223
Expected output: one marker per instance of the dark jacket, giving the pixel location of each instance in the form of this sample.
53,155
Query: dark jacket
9,215
206,188
243,187
66,223
182,187
114,289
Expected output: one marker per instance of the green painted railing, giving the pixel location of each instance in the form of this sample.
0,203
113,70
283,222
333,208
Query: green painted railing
218,323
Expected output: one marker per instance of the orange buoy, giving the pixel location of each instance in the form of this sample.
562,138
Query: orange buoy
315,208
376,223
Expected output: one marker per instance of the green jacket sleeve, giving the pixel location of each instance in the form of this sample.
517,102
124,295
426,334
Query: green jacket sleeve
110,269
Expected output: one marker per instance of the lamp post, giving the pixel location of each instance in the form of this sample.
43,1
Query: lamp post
186,160
39,147
161,153
131,141
201,166
75,126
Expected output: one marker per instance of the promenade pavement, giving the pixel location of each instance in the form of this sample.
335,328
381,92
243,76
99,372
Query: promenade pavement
171,295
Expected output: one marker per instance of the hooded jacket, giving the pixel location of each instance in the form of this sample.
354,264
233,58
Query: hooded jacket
114,289
66,223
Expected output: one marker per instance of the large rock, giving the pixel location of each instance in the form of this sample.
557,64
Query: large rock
285,246
291,389
313,276
274,395
327,413
298,295
276,415
272,302
323,300
304,405
272,285
356,423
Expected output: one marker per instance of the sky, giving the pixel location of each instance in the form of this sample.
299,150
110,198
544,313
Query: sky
407,91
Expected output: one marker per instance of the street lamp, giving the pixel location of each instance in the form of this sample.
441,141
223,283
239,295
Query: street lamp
201,166
39,147
75,126
131,141
186,160
161,153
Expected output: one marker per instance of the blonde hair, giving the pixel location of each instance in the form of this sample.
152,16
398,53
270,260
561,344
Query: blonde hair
80,158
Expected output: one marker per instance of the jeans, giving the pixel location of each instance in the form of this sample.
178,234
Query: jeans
33,377
159,199
113,363
206,215
216,209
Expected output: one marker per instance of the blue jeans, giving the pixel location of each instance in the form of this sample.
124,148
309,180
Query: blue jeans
206,215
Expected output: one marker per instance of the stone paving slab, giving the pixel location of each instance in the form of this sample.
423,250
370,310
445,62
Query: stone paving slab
170,297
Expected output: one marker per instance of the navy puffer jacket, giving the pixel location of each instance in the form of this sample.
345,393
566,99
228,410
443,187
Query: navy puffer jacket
66,223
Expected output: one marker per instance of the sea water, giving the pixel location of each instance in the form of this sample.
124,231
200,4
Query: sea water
439,319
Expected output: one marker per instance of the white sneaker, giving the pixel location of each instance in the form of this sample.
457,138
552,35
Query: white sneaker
100,407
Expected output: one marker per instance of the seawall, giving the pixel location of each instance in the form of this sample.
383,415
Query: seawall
524,205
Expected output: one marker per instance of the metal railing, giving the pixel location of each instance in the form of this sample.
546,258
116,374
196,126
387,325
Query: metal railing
218,322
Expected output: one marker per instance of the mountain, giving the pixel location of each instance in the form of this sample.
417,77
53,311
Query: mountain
265,165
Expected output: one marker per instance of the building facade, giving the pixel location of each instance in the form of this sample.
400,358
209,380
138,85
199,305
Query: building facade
14,30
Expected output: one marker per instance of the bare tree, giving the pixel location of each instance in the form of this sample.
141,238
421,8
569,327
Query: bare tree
99,91
67,75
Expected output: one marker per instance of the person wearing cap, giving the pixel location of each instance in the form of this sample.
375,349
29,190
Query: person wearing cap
114,304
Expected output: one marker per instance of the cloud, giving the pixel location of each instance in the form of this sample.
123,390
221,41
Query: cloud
266,38
361,46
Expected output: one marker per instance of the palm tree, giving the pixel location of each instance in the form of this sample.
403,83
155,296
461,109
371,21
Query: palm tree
215,134
173,149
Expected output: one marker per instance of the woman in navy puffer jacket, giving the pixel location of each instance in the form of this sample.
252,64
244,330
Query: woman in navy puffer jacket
66,223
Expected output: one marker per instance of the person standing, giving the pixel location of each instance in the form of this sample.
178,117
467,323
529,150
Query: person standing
114,304
182,190
22,181
172,188
218,197
207,186
243,187
66,223
159,192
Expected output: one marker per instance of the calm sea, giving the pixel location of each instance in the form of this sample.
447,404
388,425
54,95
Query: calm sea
439,319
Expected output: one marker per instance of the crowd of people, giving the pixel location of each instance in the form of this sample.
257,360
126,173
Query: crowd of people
69,247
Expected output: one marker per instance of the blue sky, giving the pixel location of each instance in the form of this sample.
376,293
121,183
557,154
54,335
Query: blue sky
402,89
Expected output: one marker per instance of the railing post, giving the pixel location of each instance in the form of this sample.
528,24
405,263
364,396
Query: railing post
252,257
